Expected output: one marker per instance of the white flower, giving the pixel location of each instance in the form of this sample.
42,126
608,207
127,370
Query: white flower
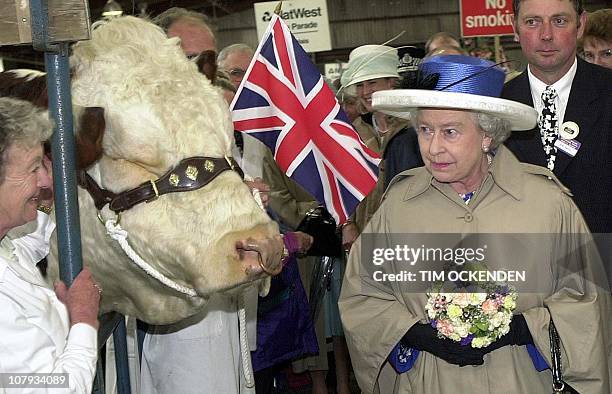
477,298
462,329
480,342
455,337
498,319
461,299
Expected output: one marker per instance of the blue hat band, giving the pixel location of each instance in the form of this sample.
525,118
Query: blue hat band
478,76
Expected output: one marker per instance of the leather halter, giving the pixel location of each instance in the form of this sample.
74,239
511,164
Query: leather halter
190,174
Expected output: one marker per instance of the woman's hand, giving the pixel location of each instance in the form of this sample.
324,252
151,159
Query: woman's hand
263,189
424,337
82,298
304,241
350,232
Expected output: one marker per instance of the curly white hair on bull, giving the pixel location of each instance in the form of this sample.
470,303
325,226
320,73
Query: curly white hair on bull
159,110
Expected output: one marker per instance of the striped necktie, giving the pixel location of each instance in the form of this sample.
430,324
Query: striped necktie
549,126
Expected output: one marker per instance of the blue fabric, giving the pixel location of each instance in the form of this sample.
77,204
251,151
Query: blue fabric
284,328
485,79
402,358
539,363
401,153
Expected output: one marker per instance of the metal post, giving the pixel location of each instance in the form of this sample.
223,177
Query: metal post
64,165
62,144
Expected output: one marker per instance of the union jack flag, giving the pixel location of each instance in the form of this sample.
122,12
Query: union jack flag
284,102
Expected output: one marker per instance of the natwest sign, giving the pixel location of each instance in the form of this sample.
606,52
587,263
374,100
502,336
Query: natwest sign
307,19
486,17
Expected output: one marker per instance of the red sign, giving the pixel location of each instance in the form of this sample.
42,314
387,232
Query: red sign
486,17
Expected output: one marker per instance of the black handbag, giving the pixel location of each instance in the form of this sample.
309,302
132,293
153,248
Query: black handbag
558,385
321,225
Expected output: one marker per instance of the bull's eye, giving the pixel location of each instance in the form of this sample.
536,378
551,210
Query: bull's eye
209,166
191,172
174,180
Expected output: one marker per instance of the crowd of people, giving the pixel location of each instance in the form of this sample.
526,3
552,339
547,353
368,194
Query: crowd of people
464,150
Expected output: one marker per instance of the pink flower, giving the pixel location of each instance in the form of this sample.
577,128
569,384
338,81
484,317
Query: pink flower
445,327
489,307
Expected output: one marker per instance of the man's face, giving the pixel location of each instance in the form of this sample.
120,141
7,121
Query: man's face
442,41
24,177
548,31
195,39
366,88
236,64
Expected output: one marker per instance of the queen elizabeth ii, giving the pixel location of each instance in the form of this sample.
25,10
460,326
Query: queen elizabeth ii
471,184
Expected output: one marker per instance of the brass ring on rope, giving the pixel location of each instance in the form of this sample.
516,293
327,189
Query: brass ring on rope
117,218
266,269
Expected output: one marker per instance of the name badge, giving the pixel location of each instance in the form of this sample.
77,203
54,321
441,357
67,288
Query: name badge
569,147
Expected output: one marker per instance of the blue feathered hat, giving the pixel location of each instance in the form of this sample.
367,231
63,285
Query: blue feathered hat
457,82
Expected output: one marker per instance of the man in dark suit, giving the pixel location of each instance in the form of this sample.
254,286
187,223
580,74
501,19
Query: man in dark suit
579,149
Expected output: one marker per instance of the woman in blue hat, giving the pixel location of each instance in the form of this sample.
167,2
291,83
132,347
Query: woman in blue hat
456,283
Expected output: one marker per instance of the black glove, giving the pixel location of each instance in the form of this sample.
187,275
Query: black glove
424,337
518,335
320,224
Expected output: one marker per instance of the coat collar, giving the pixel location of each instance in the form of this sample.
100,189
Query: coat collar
25,246
505,171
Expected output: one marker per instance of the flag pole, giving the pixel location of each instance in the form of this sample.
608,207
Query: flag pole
277,10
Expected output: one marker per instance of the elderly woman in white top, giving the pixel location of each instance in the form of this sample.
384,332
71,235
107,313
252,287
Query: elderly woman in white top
523,230
41,330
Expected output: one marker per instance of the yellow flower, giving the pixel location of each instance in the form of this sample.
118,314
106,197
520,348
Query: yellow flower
454,311
509,303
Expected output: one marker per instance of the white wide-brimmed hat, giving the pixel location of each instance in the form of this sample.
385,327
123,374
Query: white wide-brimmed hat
457,82
370,62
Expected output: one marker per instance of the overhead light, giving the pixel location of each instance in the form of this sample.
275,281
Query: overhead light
112,9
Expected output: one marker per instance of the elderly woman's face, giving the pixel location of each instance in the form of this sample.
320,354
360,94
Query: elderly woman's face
451,146
24,177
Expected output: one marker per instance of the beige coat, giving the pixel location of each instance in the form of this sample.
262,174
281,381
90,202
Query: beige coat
514,198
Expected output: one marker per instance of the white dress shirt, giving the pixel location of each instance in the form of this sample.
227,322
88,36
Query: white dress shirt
35,332
563,87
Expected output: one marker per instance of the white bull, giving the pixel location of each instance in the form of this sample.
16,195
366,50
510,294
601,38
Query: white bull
158,110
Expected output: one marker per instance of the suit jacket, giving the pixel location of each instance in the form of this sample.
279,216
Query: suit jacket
589,173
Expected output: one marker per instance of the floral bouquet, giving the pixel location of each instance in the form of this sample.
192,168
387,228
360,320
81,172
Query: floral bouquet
476,319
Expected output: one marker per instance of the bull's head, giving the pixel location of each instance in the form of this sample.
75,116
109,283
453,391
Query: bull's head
159,110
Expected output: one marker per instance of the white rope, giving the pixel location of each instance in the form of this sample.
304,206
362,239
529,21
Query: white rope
245,351
120,235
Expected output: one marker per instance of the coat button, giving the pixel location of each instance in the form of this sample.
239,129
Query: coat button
468,217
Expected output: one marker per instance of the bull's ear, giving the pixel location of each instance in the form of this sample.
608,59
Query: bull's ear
89,135
207,64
